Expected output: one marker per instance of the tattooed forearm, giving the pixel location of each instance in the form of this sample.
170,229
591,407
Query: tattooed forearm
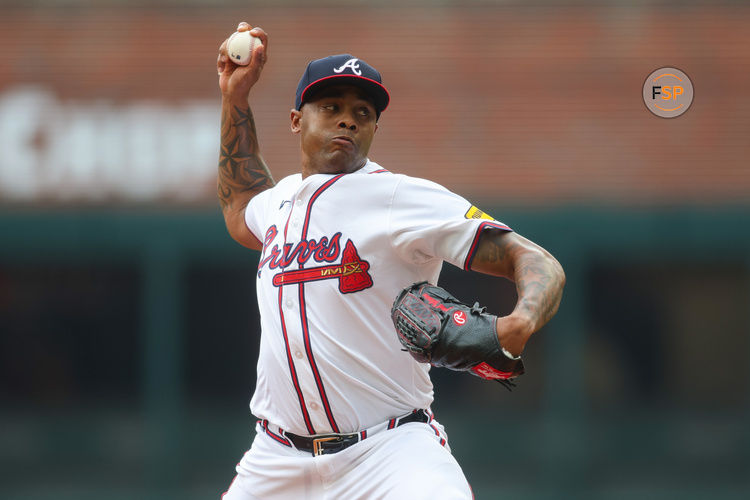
242,171
539,281
538,276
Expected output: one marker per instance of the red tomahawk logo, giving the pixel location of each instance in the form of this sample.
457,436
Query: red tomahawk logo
351,273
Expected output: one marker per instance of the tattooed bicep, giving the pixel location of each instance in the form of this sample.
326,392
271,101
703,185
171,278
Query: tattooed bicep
496,252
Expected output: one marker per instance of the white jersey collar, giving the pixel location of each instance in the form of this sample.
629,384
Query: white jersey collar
368,168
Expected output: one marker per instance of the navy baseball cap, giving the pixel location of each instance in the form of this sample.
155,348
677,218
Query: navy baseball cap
338,69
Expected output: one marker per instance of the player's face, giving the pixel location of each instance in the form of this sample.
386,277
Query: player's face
336,128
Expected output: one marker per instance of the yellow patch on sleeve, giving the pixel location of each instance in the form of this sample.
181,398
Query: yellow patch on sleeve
475,213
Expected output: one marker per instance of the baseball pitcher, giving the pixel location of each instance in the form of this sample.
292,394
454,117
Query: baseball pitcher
352,318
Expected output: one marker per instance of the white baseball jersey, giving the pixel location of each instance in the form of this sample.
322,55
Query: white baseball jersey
337,249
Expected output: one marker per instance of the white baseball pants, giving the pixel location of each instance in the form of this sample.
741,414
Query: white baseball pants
407,462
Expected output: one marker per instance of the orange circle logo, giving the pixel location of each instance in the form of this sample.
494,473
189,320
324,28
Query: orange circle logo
668,92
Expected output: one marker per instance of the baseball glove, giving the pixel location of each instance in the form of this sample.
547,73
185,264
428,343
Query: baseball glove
437,328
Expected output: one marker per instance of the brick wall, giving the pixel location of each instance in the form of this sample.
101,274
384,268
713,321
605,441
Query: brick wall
509,105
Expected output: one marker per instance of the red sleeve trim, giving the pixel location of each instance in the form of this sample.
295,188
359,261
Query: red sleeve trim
475,242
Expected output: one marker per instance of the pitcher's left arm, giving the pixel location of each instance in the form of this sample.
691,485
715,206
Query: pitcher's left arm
539,280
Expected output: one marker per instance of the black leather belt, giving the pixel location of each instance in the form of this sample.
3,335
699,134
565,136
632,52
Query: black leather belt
323,444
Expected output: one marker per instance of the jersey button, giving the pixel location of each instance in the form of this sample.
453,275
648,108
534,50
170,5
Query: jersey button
298,354
289,303
314,406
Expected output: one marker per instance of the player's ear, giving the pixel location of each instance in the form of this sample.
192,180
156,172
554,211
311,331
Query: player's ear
296,117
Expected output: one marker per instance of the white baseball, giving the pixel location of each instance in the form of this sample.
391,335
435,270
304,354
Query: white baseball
240,47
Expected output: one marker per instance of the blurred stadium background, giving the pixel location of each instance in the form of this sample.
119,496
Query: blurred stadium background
128,324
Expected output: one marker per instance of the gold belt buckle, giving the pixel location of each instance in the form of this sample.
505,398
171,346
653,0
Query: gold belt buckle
317,444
